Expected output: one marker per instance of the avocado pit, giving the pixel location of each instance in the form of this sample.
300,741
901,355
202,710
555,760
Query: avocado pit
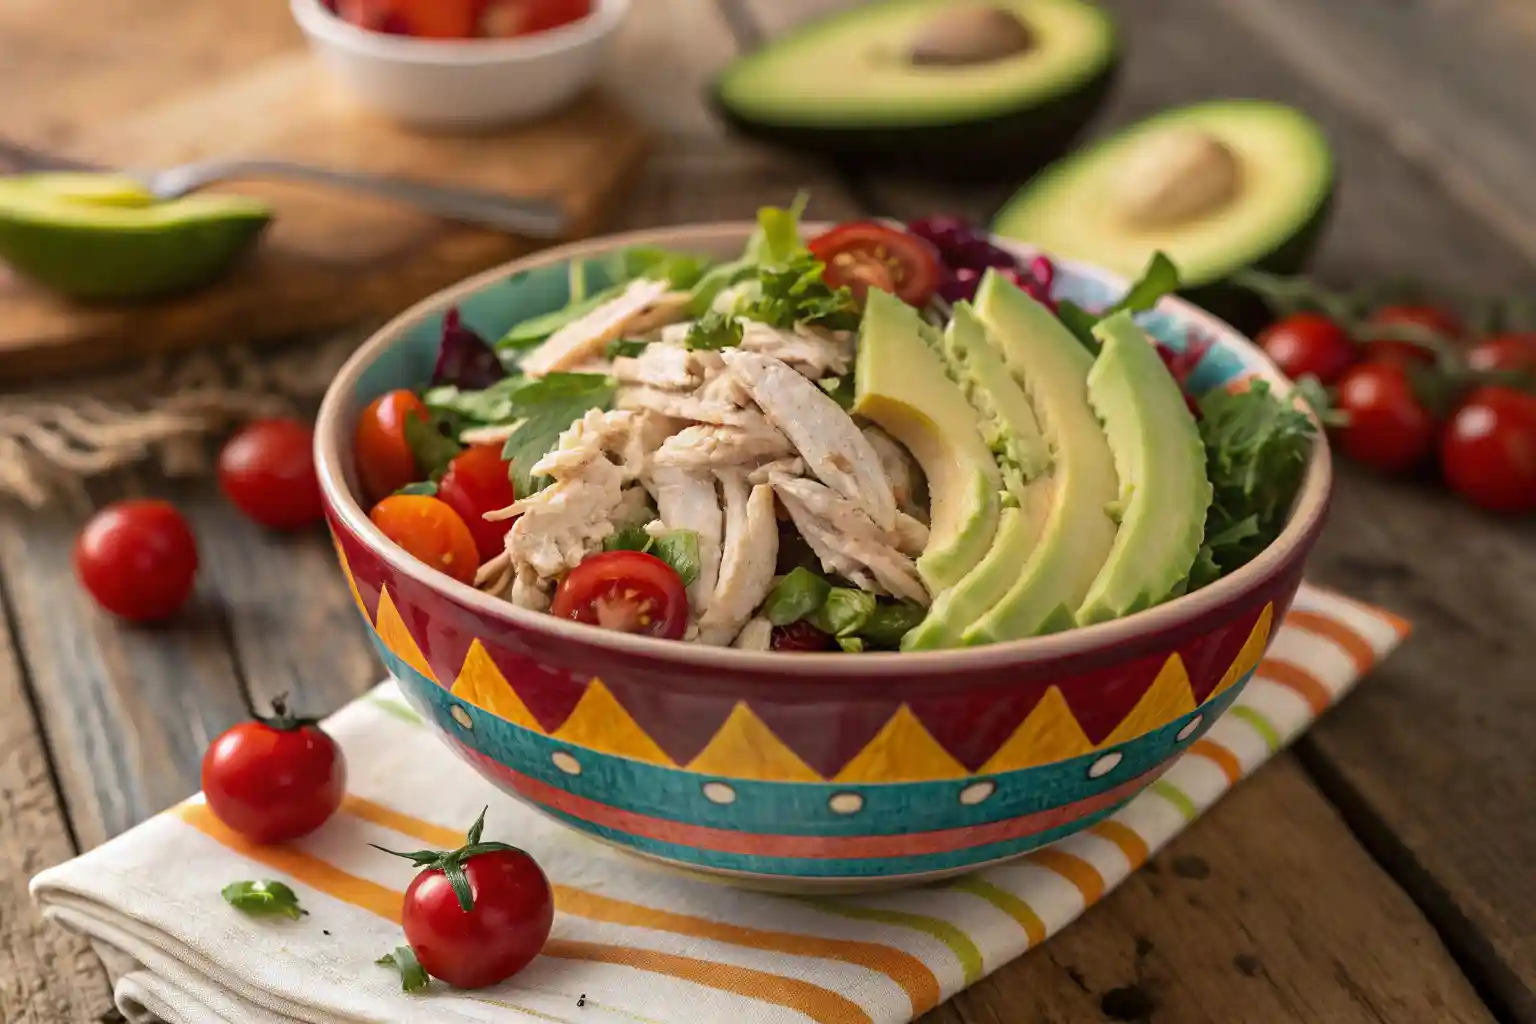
969,34
1175,176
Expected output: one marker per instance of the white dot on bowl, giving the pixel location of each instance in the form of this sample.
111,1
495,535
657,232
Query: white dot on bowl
719,793
1104,765
846,803
462,717
977,792
566,763
1190,727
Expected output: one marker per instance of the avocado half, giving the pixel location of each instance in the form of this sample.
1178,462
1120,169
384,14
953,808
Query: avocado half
962,88
1217,186
104,238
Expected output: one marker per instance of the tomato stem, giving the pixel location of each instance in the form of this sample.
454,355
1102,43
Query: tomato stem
282,718
451,862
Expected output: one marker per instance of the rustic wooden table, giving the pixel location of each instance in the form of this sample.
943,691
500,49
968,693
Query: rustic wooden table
1381,872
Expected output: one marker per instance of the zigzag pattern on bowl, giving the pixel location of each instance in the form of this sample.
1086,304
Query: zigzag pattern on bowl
903,749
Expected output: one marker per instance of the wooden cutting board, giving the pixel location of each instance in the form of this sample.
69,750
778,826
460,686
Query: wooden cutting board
153,83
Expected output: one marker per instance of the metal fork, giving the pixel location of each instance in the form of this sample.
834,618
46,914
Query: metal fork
536,218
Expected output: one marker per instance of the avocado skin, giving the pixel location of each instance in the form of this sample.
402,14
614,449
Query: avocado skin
993,148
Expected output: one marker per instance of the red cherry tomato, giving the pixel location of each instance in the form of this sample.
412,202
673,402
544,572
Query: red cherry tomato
861,255
429,531
384,460
426,19
496,931
268,471
138,559
1387,426
523,17
476,483
1511,353
800,636
1309,344
1488,450
274,779
627,591
1421,318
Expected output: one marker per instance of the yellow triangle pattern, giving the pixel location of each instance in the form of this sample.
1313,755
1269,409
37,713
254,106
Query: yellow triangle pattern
1050,733
481,683
902,751
599,722
1170,697
346,570
1252,653
398,639
745,748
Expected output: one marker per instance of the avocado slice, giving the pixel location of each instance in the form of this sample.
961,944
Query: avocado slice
1164,492
965,88
105,238
1076,531
902,387
1217,186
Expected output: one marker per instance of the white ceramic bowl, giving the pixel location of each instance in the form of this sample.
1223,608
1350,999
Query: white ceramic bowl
470,84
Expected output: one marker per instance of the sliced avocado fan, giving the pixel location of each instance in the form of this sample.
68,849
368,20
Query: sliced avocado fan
1164,491
105,238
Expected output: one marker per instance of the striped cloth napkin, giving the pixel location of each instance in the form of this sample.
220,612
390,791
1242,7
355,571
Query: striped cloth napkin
632,942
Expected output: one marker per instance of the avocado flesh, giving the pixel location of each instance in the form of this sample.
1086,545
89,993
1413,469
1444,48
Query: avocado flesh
1286,186
106,239
1160,458
846,85
1013,433
1076,531
902,387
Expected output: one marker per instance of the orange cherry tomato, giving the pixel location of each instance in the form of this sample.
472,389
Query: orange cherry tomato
430,531
477,482
384,460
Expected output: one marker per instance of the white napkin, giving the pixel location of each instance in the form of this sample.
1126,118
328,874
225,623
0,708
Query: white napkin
632,943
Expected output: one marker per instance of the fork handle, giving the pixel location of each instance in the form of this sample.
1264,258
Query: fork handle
537,218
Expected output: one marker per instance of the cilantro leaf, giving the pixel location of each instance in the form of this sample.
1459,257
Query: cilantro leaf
797,595
680,550
430,447
795,292
627,347
844,612
487,406
413,977
547,408
714,331
263,899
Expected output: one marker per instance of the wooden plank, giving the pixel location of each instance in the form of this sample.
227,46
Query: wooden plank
47,975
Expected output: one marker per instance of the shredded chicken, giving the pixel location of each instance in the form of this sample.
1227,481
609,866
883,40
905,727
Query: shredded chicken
705,446
784,467
847,546
746,568
908,535
687,501
685,406
815,354
900,469
668,366
756,635
668,309
586,337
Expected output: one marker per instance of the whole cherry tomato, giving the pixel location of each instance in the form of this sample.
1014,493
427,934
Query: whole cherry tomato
627,591
268,471
861,255
800,636
384,459
1309,344
477,482
274,779
138,559
1415,318
431,532
1511,353
1386,427
477,915
1488,450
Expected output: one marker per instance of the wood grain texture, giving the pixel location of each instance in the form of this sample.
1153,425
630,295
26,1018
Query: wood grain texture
243,84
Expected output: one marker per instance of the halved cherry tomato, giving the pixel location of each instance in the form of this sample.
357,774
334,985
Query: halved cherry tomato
477,482
1511,353
427,19
1306,344
1488,450
627,591
384,460
1423,318
268,471
138,559
502,18
274,779
861,255
431,532
1386,427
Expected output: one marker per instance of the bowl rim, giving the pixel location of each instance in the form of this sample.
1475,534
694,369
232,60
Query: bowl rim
317,21
332,426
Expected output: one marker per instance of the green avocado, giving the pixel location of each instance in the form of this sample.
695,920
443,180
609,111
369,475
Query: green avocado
1164,492
103,237
1012,431
1217,186
1076,531
902,388
976,87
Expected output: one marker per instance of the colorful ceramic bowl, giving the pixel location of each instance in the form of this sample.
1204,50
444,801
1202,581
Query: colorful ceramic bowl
808,770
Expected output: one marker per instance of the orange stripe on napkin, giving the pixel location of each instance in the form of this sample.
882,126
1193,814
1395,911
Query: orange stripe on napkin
820,1004
1401,626
907,971
1360,652
1131,844
1223,758
1074,869
1299,681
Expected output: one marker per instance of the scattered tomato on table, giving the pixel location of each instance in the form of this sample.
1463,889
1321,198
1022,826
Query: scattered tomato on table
267,470
628,591
1385,424
137,559
1488,450
477,915
1508,353
274,779
1309,344
430,531
478,481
